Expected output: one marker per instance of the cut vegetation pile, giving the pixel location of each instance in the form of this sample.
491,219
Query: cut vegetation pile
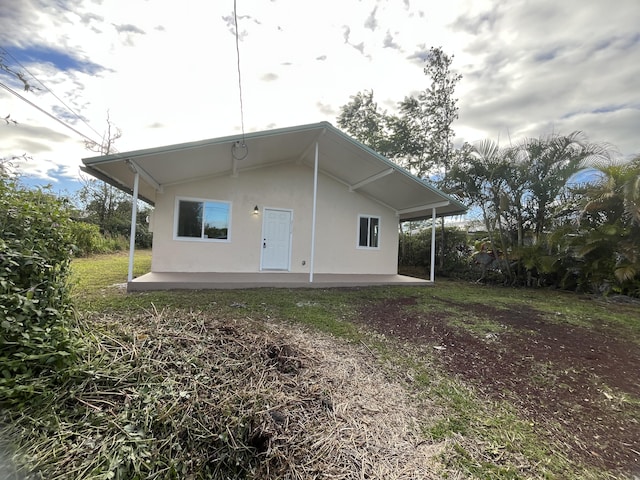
188,395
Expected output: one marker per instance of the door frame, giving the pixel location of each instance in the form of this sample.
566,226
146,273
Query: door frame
287,268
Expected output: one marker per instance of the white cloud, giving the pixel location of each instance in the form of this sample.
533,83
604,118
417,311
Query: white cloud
371,23
168,74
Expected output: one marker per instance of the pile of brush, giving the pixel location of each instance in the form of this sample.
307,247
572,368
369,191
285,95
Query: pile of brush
187,395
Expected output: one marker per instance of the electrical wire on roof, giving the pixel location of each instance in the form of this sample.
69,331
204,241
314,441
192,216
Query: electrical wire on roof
239,149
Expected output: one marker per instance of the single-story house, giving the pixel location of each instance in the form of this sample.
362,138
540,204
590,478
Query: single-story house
300,206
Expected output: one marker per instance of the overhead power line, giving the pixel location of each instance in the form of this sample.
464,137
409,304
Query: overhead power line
26,100
73,112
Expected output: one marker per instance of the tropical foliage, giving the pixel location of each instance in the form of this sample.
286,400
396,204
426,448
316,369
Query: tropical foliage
35,313
609,229
414,253
557,211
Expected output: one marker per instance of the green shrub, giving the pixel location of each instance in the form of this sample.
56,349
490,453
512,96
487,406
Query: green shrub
87,238
35,309
415,251
115,243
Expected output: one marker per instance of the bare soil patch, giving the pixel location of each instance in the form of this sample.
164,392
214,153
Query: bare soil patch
580,386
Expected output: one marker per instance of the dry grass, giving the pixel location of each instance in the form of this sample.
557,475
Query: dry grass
189,395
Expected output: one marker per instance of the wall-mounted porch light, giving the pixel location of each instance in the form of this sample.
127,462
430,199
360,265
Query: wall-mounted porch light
256,210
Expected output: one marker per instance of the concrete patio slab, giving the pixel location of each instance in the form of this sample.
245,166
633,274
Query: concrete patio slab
214,281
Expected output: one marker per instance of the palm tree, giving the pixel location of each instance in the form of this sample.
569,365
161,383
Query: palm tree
550,162
615,195
611,217
482,177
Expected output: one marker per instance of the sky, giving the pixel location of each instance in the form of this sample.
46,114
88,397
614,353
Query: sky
166,72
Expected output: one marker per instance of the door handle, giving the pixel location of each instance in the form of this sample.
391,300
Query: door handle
264,243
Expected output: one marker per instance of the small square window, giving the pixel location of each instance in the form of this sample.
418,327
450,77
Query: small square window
368,231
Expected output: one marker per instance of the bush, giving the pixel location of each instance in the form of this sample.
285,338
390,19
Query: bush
88,240
35,307
144,238
415,251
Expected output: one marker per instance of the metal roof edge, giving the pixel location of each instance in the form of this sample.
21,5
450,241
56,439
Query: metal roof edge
105,178
202,143
395,166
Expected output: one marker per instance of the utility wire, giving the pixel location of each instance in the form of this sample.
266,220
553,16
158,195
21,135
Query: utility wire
10,90
50,91
235,19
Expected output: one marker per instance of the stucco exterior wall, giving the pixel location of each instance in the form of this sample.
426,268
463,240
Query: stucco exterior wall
337,248
287,186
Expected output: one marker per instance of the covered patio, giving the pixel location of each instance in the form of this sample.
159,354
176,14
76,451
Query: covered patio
219,281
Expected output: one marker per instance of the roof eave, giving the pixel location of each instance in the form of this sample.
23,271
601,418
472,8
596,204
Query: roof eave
93,164
105,178
401,170
202,143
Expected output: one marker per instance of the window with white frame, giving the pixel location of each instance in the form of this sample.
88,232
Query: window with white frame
202,219
368,231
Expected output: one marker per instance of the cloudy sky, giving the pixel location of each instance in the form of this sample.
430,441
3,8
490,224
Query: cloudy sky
166,72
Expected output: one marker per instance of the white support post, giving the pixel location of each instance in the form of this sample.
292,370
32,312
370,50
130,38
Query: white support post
432,275
134,215
313,216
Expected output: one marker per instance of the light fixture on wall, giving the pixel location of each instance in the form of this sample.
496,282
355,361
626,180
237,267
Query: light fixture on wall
256,210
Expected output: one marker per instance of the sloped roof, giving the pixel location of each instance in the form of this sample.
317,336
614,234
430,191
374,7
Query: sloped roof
339,156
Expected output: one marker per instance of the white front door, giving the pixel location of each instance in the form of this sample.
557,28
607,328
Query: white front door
276,239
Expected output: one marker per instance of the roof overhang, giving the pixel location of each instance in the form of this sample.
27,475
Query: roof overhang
340,157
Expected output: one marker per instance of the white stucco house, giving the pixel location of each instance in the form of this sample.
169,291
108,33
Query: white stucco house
300,206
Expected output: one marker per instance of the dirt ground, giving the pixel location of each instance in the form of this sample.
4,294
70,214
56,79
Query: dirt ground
577,385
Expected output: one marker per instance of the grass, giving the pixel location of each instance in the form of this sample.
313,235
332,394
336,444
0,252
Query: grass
99,279
555,306
100,275
141,402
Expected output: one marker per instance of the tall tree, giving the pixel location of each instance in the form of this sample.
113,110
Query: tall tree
482,177
420,137
362,119
107,206
428,118
514,195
